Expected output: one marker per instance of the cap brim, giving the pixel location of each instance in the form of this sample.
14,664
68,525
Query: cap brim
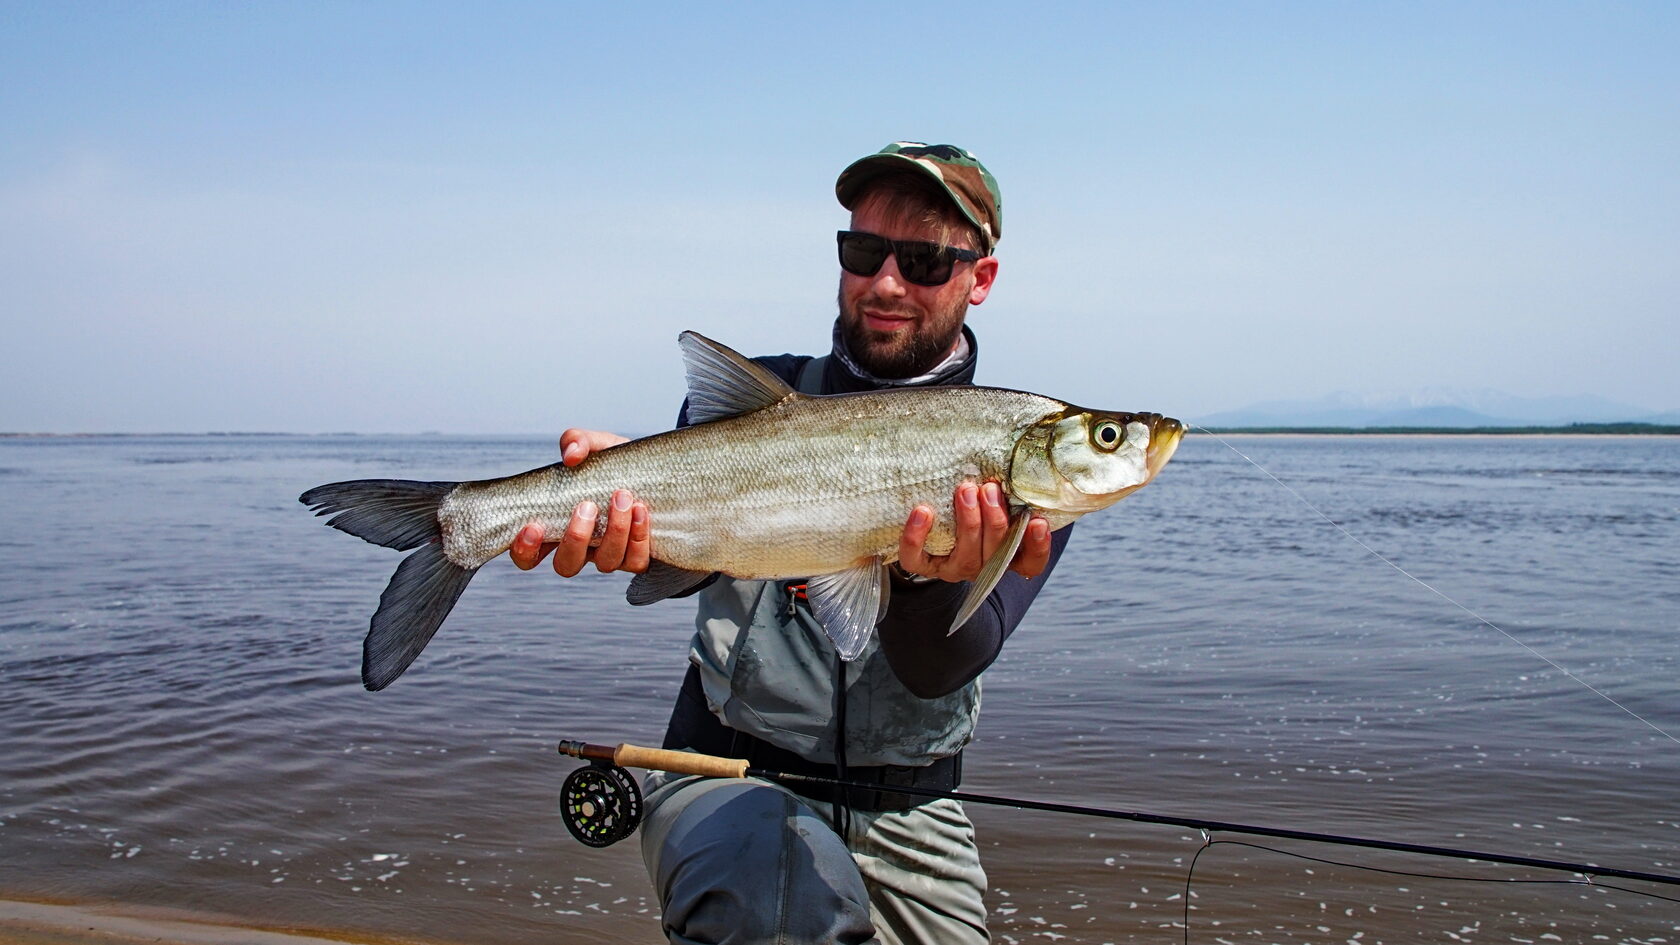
852,181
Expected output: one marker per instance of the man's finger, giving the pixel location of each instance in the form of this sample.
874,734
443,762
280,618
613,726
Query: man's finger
1034,555
640,550
963,562
574,447
609,554
994,520
576,444
917,527
574,545
527,549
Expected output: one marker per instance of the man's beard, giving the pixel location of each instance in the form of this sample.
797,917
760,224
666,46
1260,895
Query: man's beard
901,354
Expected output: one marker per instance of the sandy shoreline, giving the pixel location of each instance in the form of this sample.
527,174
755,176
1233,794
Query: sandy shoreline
46,923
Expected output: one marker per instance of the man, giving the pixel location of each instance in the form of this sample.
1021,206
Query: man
742,860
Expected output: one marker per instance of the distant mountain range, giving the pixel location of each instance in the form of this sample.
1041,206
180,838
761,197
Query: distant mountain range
1436,407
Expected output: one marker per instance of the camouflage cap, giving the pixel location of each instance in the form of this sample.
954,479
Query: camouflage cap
958,172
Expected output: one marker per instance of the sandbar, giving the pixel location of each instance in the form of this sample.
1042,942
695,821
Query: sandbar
43,923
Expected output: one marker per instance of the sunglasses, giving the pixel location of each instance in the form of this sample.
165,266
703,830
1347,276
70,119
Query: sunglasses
862,254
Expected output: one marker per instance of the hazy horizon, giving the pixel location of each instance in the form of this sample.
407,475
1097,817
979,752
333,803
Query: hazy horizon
1252,414
496,219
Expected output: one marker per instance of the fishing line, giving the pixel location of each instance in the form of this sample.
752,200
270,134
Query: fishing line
1208,841
1433,590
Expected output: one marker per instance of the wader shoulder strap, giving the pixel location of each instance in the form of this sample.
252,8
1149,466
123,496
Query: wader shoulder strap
811,376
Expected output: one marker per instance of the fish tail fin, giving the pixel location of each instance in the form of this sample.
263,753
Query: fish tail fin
421,593
396,513
400,514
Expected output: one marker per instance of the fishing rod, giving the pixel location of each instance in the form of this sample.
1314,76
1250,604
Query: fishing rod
601,805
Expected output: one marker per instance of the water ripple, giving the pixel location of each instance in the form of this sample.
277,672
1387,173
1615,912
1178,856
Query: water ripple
184,724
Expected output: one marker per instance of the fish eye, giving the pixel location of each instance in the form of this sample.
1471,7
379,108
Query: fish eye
1107,436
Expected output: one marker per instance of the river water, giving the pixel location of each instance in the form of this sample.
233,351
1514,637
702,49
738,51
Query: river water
182,725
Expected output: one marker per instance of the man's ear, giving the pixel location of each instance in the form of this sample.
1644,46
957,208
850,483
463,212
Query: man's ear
985,273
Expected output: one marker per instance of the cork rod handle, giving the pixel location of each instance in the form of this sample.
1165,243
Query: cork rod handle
679,762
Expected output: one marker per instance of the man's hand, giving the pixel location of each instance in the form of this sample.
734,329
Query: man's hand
981,522
624,546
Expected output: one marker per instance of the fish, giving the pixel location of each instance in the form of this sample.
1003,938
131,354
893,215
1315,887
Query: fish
766,483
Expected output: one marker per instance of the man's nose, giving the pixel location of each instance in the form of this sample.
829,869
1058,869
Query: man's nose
887,280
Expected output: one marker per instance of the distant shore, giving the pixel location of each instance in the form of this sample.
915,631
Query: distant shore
1573,429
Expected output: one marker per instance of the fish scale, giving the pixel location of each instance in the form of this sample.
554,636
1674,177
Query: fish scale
775,494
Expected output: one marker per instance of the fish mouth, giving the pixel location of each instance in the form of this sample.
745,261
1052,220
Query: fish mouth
1165,434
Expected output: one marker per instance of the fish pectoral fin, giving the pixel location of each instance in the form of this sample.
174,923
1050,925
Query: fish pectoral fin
660,581
722,383
849,604
993,570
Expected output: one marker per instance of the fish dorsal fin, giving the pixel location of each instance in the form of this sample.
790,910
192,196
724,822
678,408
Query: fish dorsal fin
849,604
993,570
722,383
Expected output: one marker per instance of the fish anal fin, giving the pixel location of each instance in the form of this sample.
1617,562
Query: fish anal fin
660,581
722,383
849,604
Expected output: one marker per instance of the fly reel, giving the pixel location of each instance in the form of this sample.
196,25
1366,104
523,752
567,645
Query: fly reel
601,804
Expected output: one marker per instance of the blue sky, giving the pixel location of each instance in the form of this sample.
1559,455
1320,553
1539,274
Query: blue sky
497,217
